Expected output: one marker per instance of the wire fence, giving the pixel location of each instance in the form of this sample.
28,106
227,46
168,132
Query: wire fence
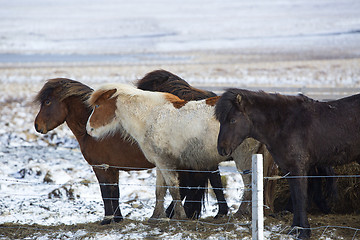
230,220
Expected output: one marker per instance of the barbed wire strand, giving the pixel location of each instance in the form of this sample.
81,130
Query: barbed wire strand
227,224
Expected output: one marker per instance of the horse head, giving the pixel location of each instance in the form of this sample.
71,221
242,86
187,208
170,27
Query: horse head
54,99
53,110
101,121
235,124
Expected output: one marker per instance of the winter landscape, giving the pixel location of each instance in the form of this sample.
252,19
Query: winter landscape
47,189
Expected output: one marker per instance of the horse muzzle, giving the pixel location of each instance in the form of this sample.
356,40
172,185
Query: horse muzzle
224,151
90,130
40,129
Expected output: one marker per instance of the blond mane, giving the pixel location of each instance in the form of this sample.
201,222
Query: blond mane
131,91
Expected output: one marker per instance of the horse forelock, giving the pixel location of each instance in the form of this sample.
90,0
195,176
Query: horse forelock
63,88
225,104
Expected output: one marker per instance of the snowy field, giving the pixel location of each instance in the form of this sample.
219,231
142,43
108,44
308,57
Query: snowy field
44,179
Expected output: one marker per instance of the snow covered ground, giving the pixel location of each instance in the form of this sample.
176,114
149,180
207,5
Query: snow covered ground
44,178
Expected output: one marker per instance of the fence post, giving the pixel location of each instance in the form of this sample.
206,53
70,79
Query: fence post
257,197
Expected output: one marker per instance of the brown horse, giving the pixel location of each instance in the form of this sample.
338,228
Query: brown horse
64,100
299,132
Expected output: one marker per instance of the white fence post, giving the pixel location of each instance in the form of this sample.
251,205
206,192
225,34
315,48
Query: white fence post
257,197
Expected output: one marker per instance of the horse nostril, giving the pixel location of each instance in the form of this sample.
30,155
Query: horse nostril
37,128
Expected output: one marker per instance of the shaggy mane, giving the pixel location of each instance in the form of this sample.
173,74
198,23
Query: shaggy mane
262,99
132,91
63,88
164,81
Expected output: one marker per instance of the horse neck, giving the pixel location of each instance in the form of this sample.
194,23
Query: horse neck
78,114
266,126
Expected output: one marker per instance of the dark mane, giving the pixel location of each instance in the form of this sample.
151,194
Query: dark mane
63,88
262,99
164,81
225,104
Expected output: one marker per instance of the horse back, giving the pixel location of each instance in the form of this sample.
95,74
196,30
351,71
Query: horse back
331,130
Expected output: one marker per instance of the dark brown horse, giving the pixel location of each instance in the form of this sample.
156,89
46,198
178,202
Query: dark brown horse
164,81
299,132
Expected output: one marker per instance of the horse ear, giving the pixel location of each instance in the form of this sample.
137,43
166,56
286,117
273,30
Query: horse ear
242,100
109,93
238,99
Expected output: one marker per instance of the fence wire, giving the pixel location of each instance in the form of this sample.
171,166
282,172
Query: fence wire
199,221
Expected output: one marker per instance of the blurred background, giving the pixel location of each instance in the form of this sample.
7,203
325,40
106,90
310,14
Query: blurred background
248,43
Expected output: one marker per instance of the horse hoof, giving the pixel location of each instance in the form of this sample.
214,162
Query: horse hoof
222,212
105,221
219,215
110,219
118,219
303,233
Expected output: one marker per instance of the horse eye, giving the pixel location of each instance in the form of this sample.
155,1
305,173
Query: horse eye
232,121
97,105
47,102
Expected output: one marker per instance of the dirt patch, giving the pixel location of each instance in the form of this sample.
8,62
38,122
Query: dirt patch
277,225
333,226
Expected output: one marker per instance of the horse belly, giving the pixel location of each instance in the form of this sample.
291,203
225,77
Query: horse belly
197,155
187,137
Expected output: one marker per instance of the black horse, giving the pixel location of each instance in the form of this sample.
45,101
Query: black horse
299,132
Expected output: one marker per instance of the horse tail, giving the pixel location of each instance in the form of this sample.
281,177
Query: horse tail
164,81
193,187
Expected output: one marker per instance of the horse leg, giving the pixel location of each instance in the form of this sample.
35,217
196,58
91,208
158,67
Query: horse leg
197,182
270,169
331,190
315,193
172,181
245,207
108,180
243,160
298,190
160,197
320,197
184,180
215,180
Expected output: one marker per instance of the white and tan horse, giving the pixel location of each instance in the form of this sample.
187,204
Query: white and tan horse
172,133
